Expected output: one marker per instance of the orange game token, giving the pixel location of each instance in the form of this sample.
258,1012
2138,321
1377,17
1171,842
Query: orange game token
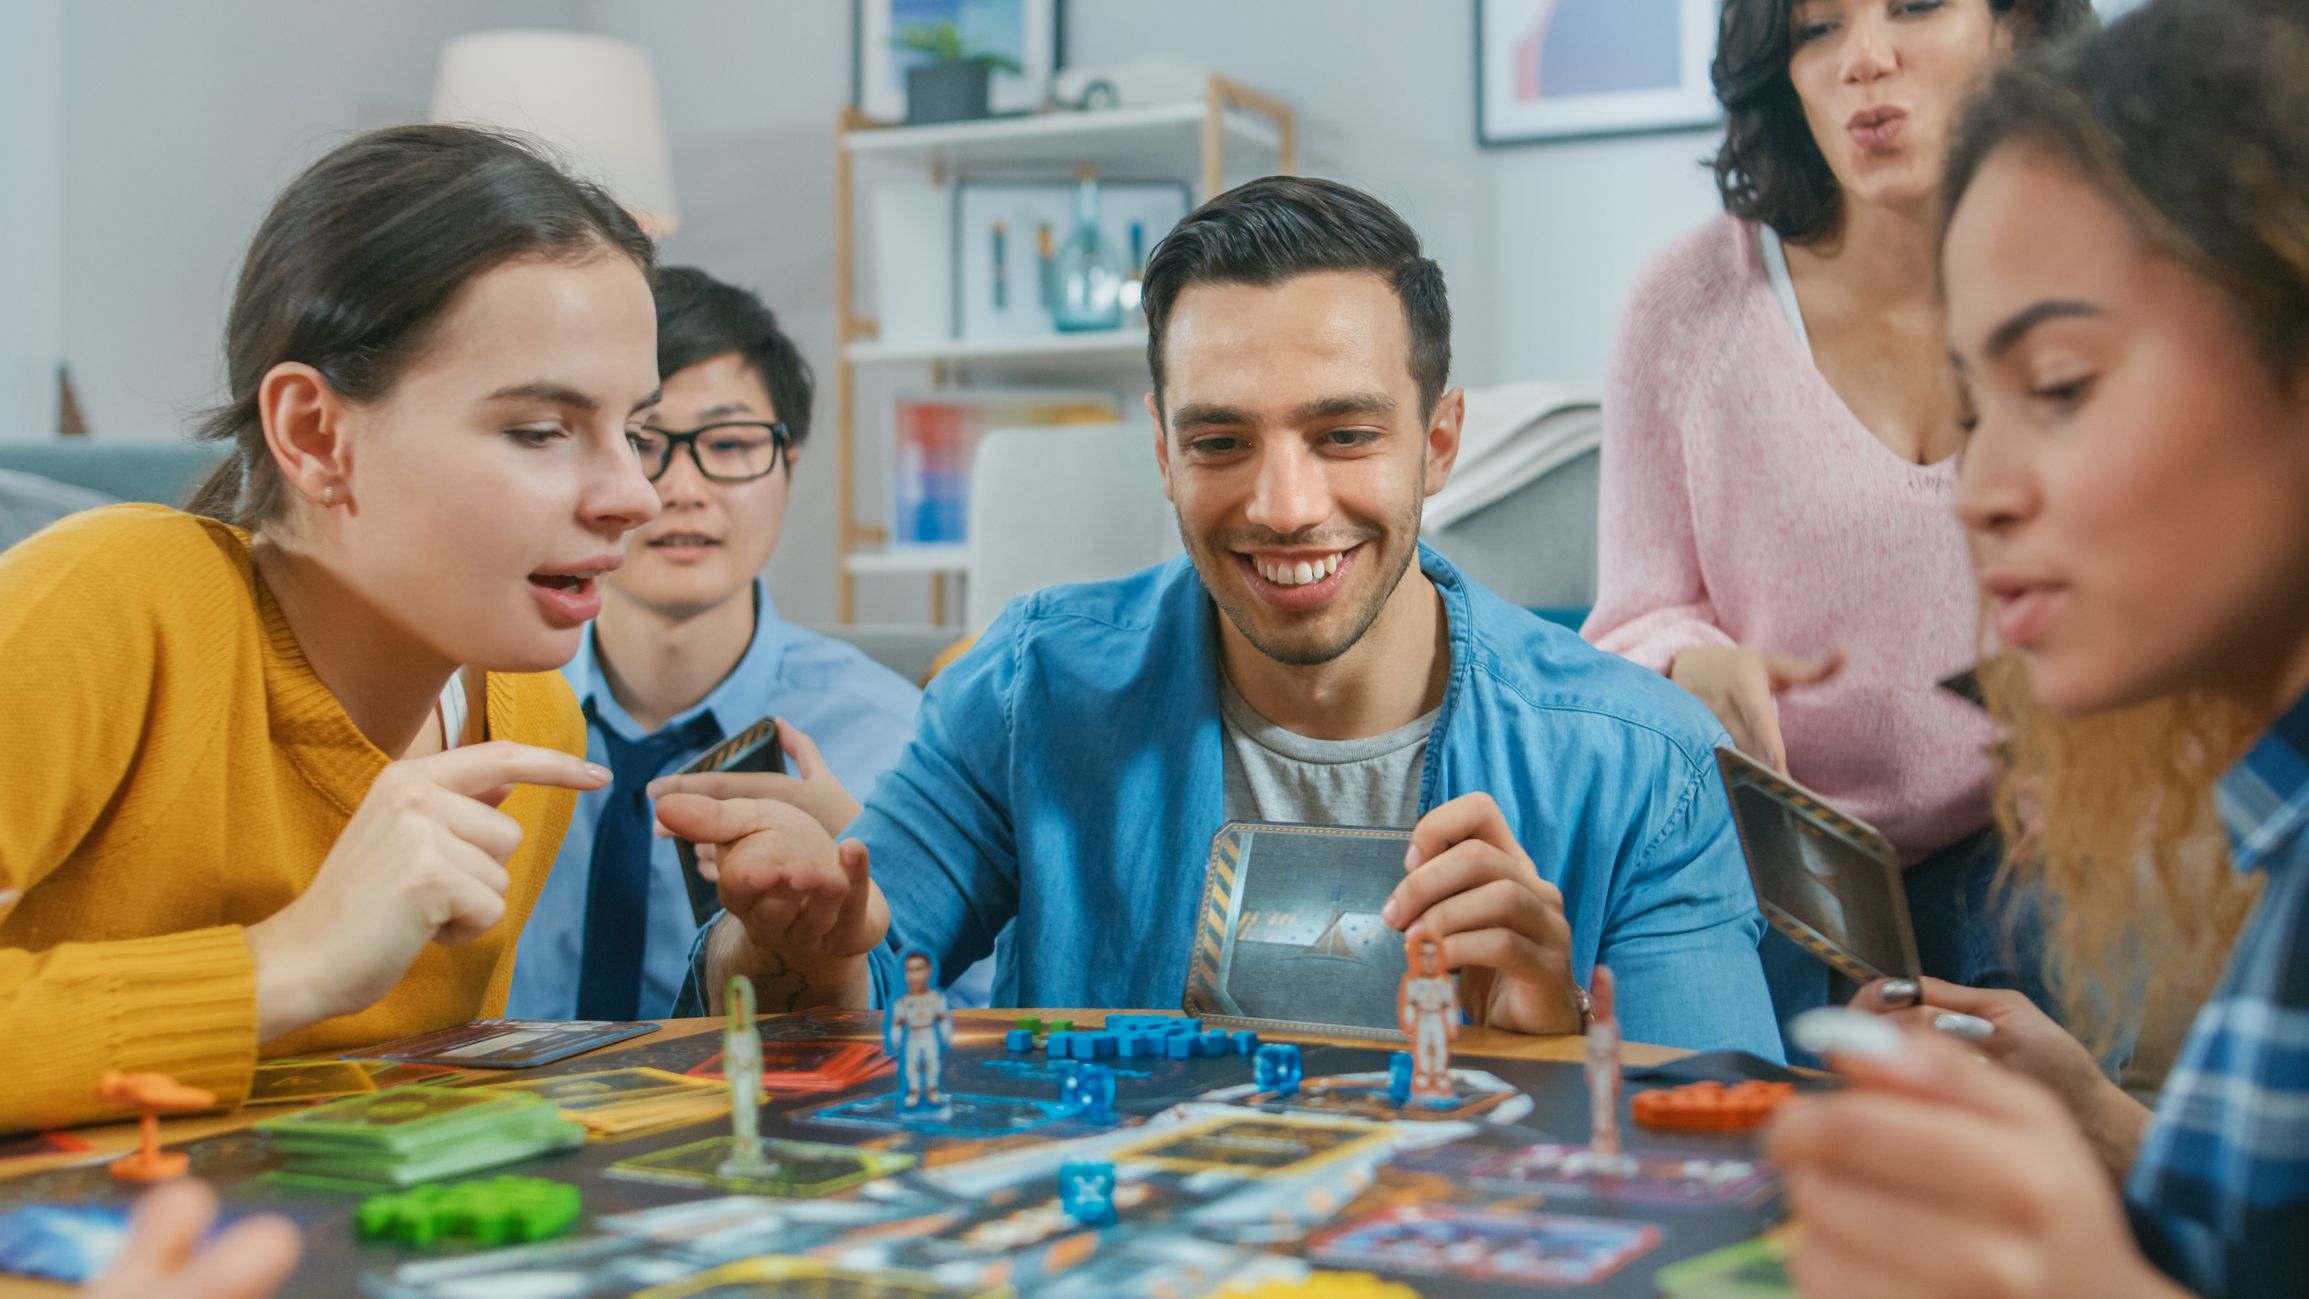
1711,1106
154,1094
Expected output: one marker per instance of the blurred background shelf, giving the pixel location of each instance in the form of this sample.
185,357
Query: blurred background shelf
1229,132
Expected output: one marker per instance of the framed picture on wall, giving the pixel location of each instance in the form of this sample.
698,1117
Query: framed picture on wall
1028,33
1560,69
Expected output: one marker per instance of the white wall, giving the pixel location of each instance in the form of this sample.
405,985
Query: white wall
180,123
751,91
31,216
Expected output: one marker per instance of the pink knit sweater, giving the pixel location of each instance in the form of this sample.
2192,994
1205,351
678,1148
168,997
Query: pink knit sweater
1743,504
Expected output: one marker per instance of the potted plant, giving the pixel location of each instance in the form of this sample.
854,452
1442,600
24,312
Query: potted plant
952,85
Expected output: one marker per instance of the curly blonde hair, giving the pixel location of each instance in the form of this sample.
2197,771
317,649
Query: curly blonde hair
2112,826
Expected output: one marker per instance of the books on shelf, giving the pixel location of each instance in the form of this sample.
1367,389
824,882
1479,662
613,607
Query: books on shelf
936,434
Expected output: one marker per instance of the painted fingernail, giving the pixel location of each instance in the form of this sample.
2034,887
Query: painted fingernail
1833,1031
1900,992
1967,1028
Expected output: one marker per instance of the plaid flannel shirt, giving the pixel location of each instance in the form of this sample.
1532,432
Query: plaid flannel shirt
2220,1193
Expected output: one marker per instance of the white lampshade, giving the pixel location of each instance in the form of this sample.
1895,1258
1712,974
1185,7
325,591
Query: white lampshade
593,98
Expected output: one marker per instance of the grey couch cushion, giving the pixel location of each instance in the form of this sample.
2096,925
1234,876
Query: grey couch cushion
29,503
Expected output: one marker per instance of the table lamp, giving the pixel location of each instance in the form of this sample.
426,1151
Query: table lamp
593,98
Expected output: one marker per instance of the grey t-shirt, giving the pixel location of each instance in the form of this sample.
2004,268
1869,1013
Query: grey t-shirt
1276,775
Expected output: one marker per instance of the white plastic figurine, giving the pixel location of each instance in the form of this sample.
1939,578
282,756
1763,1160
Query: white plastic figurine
918,1030
1603,1078
1428,1008
742,1066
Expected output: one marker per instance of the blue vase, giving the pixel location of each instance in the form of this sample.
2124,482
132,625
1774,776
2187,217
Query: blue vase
1089,273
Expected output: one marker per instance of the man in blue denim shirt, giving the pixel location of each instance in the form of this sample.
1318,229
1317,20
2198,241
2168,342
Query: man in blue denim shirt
1307,659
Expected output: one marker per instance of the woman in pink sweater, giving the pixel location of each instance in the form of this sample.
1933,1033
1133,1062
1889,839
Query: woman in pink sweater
1780,427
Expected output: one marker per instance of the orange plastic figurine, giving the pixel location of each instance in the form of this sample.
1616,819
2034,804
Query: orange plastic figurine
154,1094
1711,1106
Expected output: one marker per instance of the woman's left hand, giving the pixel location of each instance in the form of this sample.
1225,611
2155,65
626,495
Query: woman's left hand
1936,1176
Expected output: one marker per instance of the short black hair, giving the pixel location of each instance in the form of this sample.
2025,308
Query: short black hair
1770,170
700,318
1280,227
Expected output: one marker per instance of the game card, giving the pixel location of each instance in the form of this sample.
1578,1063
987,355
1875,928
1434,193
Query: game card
282,1082
62,1242
1290,932
752,749
1826,880
1752,1269
799,1169
507,1043
1491,1245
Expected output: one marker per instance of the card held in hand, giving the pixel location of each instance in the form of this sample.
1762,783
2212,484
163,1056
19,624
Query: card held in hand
752,749
1290,932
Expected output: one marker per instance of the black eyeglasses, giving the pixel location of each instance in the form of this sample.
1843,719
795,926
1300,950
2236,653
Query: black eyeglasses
736,452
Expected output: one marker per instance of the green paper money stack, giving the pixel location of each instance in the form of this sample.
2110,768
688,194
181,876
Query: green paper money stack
415,1134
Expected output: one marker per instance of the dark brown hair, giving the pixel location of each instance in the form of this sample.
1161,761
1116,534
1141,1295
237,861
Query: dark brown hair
1770,169
360,256
700,318
1280,227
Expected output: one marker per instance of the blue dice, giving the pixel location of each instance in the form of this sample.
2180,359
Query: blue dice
1399,1077
1086,1192
1088,1092
1276,1068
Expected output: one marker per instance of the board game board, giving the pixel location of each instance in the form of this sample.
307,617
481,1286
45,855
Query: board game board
1214,1181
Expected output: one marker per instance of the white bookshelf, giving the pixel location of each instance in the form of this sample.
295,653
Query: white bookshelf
1195,140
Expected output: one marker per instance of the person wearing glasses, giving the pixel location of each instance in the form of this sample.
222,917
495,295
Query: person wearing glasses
688,651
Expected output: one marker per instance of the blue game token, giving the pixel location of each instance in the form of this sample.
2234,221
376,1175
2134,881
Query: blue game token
1018,1039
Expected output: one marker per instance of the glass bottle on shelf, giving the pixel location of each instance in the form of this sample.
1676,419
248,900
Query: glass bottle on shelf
1134,285
1089,272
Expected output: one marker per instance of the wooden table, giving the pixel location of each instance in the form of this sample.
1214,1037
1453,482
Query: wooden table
114,1139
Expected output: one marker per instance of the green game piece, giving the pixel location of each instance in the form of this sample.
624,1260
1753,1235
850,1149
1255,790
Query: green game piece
1060,1025
488,1212
1030,1025
1752,1269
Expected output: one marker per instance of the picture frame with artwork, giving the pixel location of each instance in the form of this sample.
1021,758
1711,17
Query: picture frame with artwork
1549,70
1028,33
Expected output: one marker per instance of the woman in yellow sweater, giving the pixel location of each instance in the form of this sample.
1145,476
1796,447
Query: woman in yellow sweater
252,802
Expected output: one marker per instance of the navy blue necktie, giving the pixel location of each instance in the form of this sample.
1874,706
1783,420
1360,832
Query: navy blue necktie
617,885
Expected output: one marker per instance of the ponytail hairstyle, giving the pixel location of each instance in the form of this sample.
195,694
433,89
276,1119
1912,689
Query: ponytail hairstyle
360,258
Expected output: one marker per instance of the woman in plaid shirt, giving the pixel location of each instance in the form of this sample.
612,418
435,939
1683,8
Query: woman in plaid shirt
2127,268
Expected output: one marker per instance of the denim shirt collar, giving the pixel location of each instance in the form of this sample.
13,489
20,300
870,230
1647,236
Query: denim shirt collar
1459,628
754,678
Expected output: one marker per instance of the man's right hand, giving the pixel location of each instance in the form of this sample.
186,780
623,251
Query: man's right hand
803,911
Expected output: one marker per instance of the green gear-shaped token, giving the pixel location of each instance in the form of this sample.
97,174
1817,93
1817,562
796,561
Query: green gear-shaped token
489,1212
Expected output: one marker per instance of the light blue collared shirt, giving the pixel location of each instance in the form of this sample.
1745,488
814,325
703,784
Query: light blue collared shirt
860,713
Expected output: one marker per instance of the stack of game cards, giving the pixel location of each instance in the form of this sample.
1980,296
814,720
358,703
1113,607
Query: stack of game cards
811,1068
416,1134
615,1104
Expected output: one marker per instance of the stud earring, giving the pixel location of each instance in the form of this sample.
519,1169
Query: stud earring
328,496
